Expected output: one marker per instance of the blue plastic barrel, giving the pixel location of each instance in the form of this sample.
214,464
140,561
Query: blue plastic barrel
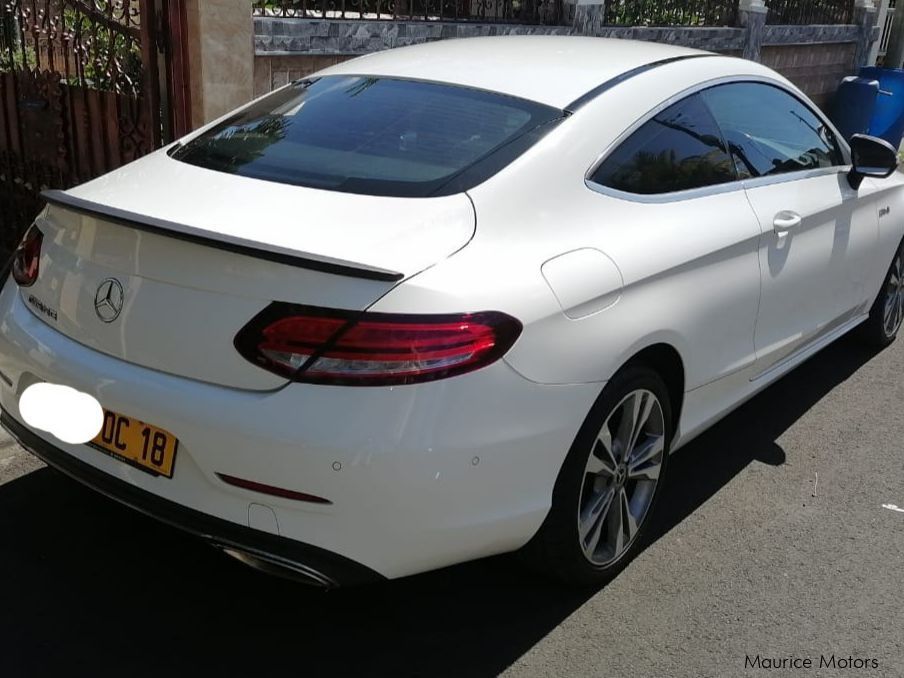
853,105
888,114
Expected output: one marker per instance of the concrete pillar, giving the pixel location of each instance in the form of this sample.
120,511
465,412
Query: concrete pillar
865,16
589,16
880,22
752,18
894,58
221,56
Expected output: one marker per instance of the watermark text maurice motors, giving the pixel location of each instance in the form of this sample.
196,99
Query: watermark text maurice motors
808,662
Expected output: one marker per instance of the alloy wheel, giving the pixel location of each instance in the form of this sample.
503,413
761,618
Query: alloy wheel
894,298
620,477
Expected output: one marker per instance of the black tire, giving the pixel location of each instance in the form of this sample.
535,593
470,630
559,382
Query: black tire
557,549
875,331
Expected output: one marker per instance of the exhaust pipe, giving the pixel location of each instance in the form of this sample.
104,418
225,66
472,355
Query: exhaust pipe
279,567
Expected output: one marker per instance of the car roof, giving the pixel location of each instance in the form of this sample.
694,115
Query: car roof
553,70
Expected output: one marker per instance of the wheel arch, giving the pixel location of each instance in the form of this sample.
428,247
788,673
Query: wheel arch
552,548
666,361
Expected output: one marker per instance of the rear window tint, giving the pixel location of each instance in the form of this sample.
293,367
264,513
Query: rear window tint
378,136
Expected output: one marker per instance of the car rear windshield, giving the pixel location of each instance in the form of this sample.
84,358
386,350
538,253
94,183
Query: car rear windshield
371,135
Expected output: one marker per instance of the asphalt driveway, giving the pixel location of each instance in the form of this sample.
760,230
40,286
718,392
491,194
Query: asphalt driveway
776,536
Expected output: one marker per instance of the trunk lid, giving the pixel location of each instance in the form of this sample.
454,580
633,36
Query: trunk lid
197,254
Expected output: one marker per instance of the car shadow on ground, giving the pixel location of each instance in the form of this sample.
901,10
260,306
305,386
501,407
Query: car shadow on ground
88,587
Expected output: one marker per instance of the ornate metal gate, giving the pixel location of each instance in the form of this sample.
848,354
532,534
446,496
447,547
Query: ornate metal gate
85,86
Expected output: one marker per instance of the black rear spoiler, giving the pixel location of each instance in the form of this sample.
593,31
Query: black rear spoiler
229,243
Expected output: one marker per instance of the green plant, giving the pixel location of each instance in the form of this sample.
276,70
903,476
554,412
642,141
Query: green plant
91,51
109,58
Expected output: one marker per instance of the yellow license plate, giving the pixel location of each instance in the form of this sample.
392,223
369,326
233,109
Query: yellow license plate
149,448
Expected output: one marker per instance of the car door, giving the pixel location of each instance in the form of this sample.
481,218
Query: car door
818,234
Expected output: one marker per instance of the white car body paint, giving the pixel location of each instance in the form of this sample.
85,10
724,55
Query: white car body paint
393,233
230,289
584,281
818,274
396,462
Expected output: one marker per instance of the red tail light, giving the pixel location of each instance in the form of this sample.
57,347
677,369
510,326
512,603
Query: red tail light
373,349
27,257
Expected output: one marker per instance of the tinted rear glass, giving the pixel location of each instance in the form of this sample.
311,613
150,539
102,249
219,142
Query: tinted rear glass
377,136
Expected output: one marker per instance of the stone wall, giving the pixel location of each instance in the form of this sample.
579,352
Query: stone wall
271,72
287,49
814,57
816,69
349,37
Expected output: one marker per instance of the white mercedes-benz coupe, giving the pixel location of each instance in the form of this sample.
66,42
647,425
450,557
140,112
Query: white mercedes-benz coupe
450,300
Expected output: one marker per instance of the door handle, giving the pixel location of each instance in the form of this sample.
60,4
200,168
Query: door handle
785,221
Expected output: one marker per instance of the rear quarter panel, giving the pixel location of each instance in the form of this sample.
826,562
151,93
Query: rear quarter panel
691,287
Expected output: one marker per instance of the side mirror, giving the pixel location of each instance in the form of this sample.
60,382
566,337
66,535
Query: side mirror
871,157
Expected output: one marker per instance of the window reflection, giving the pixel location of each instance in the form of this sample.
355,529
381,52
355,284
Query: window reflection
679,149
769,131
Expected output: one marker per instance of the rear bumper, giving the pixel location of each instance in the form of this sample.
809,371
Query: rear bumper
420,477
308,563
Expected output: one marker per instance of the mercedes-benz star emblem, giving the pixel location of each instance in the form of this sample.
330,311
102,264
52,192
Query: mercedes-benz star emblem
108,300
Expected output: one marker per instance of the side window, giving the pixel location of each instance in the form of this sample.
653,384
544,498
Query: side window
681,148
769,131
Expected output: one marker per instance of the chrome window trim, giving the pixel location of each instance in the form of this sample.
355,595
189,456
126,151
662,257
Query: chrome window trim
716,189
674,196
757,182
729,186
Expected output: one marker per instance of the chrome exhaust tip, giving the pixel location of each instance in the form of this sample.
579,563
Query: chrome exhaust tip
279,567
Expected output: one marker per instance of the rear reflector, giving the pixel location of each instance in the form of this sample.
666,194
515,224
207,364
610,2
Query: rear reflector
271,490
373,349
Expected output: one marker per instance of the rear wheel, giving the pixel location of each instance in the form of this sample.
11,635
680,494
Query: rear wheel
609,483
887,314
